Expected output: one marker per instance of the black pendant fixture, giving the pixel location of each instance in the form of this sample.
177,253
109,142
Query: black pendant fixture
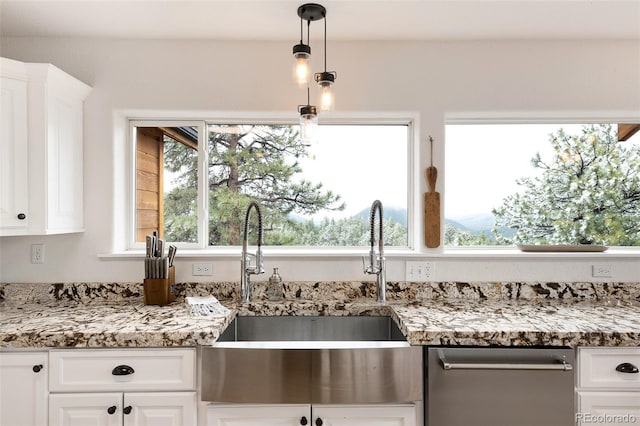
302,52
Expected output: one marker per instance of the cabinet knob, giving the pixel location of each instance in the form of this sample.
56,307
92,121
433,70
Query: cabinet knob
318,421
122,370
127,409
303,421
627,367
111,410
37,368
22,216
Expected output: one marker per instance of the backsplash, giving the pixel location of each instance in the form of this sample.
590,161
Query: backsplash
334,291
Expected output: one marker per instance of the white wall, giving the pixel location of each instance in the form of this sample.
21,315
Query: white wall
432,79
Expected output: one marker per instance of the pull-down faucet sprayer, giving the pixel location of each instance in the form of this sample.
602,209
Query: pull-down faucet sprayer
377,263
246,268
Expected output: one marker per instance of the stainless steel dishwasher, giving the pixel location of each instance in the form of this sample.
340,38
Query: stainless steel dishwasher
499,387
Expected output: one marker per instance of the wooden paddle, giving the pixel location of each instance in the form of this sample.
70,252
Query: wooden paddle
432,206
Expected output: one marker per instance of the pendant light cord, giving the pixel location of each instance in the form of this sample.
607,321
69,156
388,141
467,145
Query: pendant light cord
325,43
301,31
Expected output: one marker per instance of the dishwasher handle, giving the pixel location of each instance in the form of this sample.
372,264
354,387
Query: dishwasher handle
559,364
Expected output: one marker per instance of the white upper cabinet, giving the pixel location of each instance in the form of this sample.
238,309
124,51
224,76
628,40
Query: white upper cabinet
14,203
41,146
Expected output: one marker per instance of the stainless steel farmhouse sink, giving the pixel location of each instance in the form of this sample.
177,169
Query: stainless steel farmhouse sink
312,359
312,328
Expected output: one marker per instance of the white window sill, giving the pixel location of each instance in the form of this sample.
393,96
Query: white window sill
390,253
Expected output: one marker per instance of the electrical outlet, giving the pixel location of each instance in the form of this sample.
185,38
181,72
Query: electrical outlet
601,271
37,253
202,268
419,271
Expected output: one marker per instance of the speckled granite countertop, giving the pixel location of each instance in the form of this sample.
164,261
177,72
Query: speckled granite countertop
503,314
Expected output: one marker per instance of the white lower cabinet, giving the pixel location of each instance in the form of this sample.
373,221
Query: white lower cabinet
364,415
313,415
611,408
123,409
23,388
608,386
258,415
129,387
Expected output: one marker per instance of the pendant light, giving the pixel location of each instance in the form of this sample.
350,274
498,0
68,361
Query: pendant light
308,121
326,79
301,52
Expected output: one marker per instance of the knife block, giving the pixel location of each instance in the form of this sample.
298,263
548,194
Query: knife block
157,291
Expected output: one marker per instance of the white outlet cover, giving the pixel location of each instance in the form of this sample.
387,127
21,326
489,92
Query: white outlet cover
202,269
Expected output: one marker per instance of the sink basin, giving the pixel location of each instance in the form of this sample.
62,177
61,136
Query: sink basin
313,329
312,359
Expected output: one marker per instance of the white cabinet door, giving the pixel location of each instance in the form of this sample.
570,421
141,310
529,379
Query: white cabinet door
364,415
160,409
90,409
23,389
258,415
14,177
610,408
40,149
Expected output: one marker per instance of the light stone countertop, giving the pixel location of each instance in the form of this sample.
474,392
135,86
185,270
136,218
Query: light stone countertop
101,318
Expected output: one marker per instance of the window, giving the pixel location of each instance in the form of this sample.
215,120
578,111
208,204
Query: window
542,184
317,195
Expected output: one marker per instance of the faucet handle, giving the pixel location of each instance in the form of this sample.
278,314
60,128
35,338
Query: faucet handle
259,262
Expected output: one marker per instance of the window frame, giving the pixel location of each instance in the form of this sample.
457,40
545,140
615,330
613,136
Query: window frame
203,120
202,177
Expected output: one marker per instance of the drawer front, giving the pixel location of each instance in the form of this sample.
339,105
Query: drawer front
598,368
122,370
610,408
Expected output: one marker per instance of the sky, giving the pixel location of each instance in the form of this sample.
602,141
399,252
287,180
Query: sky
483,162
348,161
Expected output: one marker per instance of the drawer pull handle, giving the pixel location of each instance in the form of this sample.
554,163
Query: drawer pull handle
303,421
122,370
37,368
627,367
22,216
127,409
319,421
111,410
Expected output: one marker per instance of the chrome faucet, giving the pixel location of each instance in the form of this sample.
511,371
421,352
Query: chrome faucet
246,268
377,263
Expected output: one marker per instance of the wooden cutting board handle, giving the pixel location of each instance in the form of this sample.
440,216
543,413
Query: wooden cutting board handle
432,177
432,207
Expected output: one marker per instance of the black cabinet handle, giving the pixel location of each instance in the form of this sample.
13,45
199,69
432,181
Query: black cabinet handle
37,368
22,216
627,367
318,421
303,421
122,370
127,409
111,410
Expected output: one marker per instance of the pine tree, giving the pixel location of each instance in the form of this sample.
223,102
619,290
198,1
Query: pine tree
256,162
588,193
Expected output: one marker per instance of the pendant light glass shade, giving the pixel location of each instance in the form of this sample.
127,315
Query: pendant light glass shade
301,72
308,123
327,99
